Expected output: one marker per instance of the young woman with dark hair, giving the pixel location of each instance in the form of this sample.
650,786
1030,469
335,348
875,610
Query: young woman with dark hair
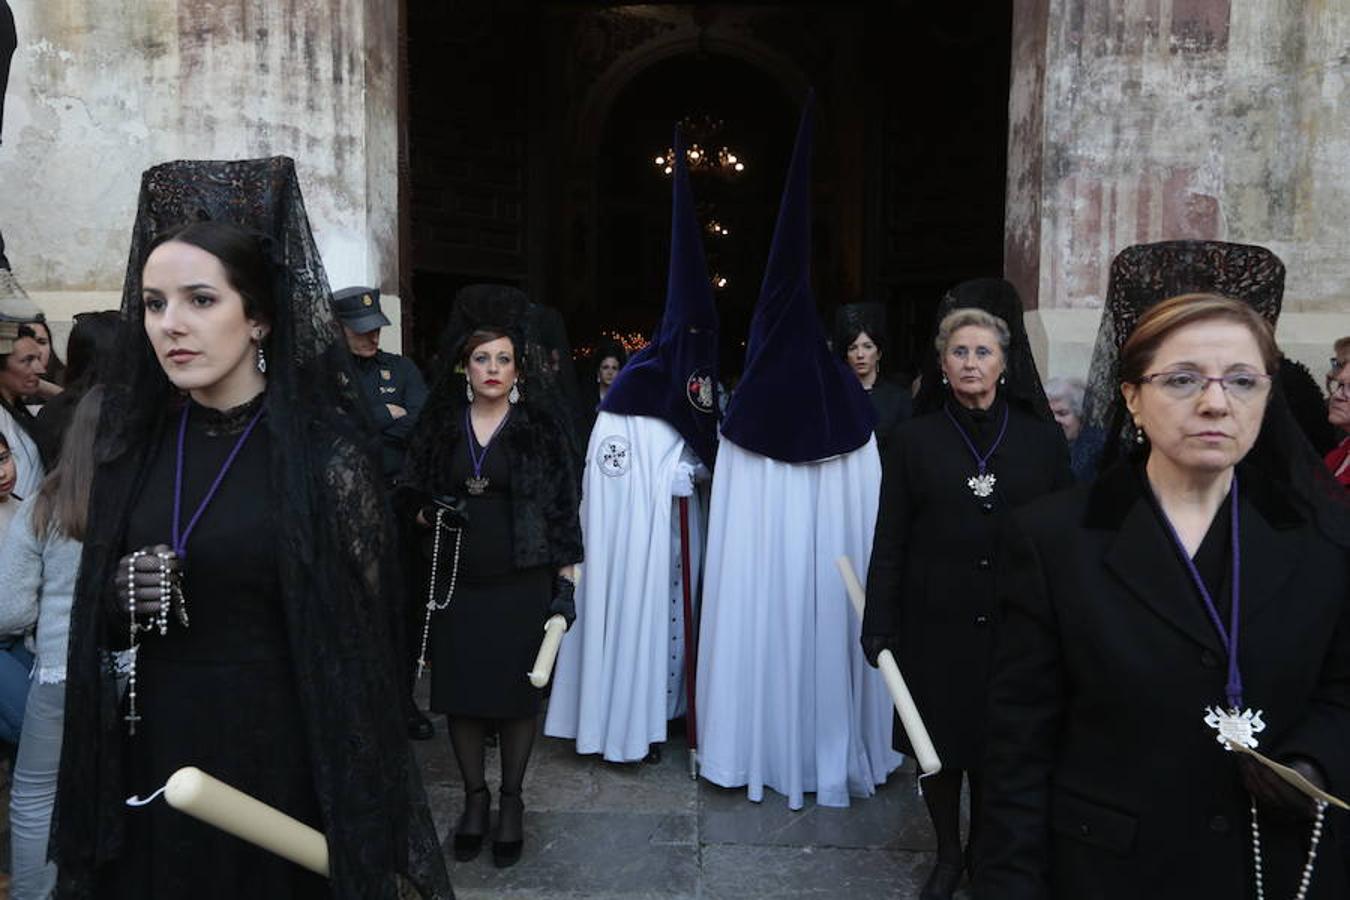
92,338
237,538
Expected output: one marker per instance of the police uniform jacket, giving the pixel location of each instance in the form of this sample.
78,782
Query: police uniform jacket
390,378
1102,781
931,581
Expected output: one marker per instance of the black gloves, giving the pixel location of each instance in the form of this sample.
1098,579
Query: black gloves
1275,795
564,599
873,644
149,577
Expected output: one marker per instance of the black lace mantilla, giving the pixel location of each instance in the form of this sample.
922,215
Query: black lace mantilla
1146,274
340,580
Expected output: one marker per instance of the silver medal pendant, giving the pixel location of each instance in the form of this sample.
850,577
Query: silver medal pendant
1235,726
476,485
981,485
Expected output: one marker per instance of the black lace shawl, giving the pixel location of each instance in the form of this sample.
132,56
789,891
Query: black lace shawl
339,573
538,439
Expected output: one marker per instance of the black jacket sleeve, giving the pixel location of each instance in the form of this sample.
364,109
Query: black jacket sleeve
890,545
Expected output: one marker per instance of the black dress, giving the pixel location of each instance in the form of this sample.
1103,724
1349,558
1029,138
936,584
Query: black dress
485,642
220,694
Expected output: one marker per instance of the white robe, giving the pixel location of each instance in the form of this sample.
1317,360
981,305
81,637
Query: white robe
785,697
619,675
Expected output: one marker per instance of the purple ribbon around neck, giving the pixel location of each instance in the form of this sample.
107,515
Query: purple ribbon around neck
477,459
1229,635
981,461
180,538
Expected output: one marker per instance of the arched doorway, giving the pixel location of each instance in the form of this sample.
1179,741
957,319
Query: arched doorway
729,102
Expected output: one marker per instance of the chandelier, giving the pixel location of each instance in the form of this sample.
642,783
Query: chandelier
703,154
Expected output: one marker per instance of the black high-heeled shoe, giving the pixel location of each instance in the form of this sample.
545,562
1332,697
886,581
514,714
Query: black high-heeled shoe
473,824
510,840
942,881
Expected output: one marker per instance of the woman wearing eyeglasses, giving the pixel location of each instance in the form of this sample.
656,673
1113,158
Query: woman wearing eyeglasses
1338,410
1201,584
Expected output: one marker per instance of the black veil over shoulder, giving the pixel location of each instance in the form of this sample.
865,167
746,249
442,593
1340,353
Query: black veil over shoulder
339,573
999,298
1146,274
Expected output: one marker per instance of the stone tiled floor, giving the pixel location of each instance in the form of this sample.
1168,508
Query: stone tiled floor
600,831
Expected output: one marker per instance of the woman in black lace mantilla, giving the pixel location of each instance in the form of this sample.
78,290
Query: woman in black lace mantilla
232,443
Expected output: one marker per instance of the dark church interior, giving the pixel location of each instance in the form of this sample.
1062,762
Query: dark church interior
533,130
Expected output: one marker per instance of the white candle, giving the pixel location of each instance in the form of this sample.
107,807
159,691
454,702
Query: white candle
548,651
199,795
910,720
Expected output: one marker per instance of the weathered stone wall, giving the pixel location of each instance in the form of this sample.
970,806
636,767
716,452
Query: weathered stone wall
101,91
1165,119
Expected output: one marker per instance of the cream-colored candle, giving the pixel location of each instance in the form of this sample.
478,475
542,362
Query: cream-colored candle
231,810
548,651
924,751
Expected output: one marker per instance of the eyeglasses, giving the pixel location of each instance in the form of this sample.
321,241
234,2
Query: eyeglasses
1240,386
1338,388
1337,364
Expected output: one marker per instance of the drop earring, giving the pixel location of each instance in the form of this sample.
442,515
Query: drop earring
944,379
514,396
261,361
468,391
1139,436
1002,379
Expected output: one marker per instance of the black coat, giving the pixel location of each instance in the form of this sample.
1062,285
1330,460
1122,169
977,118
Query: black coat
893,405
1102,781
387,378
930,584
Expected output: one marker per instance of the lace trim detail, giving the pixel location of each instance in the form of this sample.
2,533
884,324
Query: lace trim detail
218,422
51,674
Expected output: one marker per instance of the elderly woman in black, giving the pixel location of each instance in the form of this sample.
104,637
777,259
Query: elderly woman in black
980,445
491,479
1201,585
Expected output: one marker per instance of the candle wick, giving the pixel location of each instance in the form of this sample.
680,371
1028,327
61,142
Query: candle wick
133,800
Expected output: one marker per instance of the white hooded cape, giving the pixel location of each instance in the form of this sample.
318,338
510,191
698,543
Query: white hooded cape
785,697
619,675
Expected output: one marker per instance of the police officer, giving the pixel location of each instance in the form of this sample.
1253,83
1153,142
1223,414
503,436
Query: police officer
395,393
393,386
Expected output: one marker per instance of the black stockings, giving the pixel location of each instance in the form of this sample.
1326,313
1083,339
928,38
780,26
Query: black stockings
942,794
467,737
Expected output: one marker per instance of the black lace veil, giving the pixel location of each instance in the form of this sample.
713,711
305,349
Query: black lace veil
1146,274
339,575
1023,382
